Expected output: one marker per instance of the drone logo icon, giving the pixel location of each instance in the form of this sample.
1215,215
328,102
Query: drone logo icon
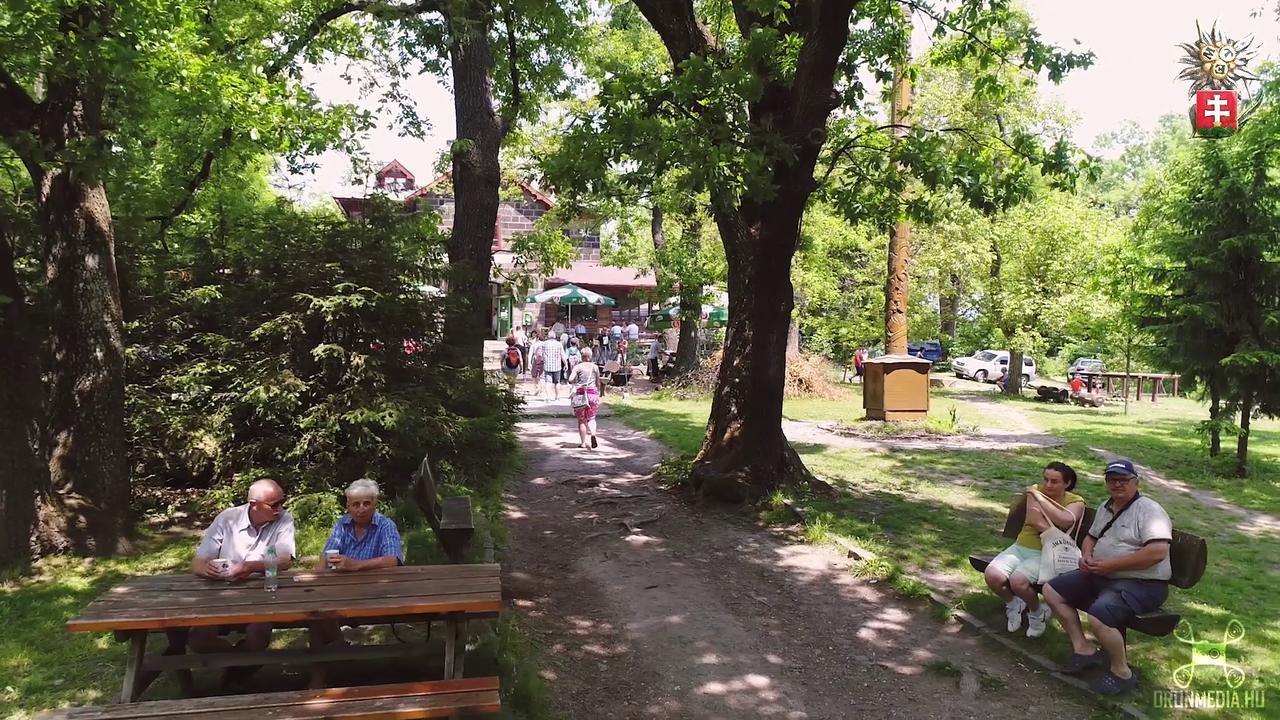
1209,653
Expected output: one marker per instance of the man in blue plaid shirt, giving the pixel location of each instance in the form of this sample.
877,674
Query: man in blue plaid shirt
364,538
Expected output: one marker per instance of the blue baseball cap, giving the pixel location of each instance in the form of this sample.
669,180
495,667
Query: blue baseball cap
1120,467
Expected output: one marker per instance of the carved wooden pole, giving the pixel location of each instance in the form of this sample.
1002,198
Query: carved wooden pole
896,290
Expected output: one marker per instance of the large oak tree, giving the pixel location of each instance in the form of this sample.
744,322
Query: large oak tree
760,84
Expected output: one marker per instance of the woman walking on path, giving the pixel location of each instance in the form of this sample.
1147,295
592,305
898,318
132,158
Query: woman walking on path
537,360
585,397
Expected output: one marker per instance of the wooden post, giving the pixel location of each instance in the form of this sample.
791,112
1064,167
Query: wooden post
1176,378
896,285
133,667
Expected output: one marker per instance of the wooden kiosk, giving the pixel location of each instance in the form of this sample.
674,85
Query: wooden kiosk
896,387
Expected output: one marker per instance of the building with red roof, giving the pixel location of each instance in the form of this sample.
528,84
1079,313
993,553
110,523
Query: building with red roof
517,214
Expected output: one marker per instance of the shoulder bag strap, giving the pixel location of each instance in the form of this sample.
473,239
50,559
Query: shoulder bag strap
1075,526
1116,517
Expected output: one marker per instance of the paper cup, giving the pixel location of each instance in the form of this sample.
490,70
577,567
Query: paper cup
223,565
329,556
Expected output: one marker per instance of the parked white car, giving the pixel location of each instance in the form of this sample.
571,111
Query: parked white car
986,366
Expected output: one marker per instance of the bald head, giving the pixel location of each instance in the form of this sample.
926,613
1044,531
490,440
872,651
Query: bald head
265,490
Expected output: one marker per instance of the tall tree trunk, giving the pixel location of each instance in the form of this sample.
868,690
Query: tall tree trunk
687,345
1013,382
88,466
88,493
22,470
1215,418
476,183
744,454
949,307
1242,440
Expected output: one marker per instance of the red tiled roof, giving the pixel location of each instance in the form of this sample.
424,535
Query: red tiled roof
584,272
430,188
395,169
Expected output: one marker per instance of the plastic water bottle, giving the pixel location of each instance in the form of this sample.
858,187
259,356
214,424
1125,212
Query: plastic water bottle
271,571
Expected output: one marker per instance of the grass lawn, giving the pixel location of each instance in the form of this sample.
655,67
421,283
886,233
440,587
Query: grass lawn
926,511
42,666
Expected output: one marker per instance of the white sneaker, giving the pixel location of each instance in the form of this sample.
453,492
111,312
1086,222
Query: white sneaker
1013,611
1037,621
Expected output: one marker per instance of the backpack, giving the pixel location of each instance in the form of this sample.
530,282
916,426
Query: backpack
512,358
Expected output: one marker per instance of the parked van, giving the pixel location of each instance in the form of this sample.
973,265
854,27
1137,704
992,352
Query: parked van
986,366
932,350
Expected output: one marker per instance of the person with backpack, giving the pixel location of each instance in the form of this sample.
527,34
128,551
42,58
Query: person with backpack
511,361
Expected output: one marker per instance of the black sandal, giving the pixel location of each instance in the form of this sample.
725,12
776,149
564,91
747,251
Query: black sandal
1079,663
1112,684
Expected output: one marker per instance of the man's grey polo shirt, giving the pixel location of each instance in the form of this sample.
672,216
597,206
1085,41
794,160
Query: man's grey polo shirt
231,537
1143,523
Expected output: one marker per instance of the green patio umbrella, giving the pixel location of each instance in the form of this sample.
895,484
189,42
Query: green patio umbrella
570,295
712,316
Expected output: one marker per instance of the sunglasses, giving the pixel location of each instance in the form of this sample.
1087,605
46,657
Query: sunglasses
1117,480
277,505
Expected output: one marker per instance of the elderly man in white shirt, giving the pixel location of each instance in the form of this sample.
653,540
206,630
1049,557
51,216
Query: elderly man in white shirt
239,538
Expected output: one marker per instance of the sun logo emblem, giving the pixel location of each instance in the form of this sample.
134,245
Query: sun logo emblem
1217,62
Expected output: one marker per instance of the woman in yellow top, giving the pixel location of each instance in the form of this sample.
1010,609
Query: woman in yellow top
1013,572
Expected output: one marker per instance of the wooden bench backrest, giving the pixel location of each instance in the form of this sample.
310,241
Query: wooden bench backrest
425,494
1188,554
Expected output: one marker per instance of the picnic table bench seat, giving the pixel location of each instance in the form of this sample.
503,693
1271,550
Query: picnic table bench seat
173,604
403,701
1188,557
450,519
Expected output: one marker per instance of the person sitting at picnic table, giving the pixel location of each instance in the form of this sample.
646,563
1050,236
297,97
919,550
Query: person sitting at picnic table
1124,572
364,539
239,538
1013,572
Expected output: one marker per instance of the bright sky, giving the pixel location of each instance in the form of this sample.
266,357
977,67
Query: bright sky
1134,76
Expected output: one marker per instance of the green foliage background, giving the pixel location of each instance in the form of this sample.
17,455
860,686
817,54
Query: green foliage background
298,347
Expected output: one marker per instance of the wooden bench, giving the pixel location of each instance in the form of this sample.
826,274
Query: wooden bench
1188,557
403,701
451,519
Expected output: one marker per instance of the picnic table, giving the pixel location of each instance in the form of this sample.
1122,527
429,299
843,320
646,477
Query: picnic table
173,604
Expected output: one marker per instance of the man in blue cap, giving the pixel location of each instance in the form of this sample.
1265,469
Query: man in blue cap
1124,572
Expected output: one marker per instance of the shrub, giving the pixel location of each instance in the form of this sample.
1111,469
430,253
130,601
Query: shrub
305,352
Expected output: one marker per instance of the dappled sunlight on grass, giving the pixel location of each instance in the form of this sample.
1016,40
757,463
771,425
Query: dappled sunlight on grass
927,510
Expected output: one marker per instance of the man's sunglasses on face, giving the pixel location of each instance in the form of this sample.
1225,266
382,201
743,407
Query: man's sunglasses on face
1118,479
277,505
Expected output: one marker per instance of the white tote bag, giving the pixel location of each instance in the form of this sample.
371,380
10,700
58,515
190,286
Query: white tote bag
1058,552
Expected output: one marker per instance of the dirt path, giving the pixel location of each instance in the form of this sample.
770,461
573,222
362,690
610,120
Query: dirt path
693,613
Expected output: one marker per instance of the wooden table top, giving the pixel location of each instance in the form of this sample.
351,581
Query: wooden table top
178,601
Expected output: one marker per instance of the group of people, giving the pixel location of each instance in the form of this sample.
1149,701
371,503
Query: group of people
244,539
608,343
1123,568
